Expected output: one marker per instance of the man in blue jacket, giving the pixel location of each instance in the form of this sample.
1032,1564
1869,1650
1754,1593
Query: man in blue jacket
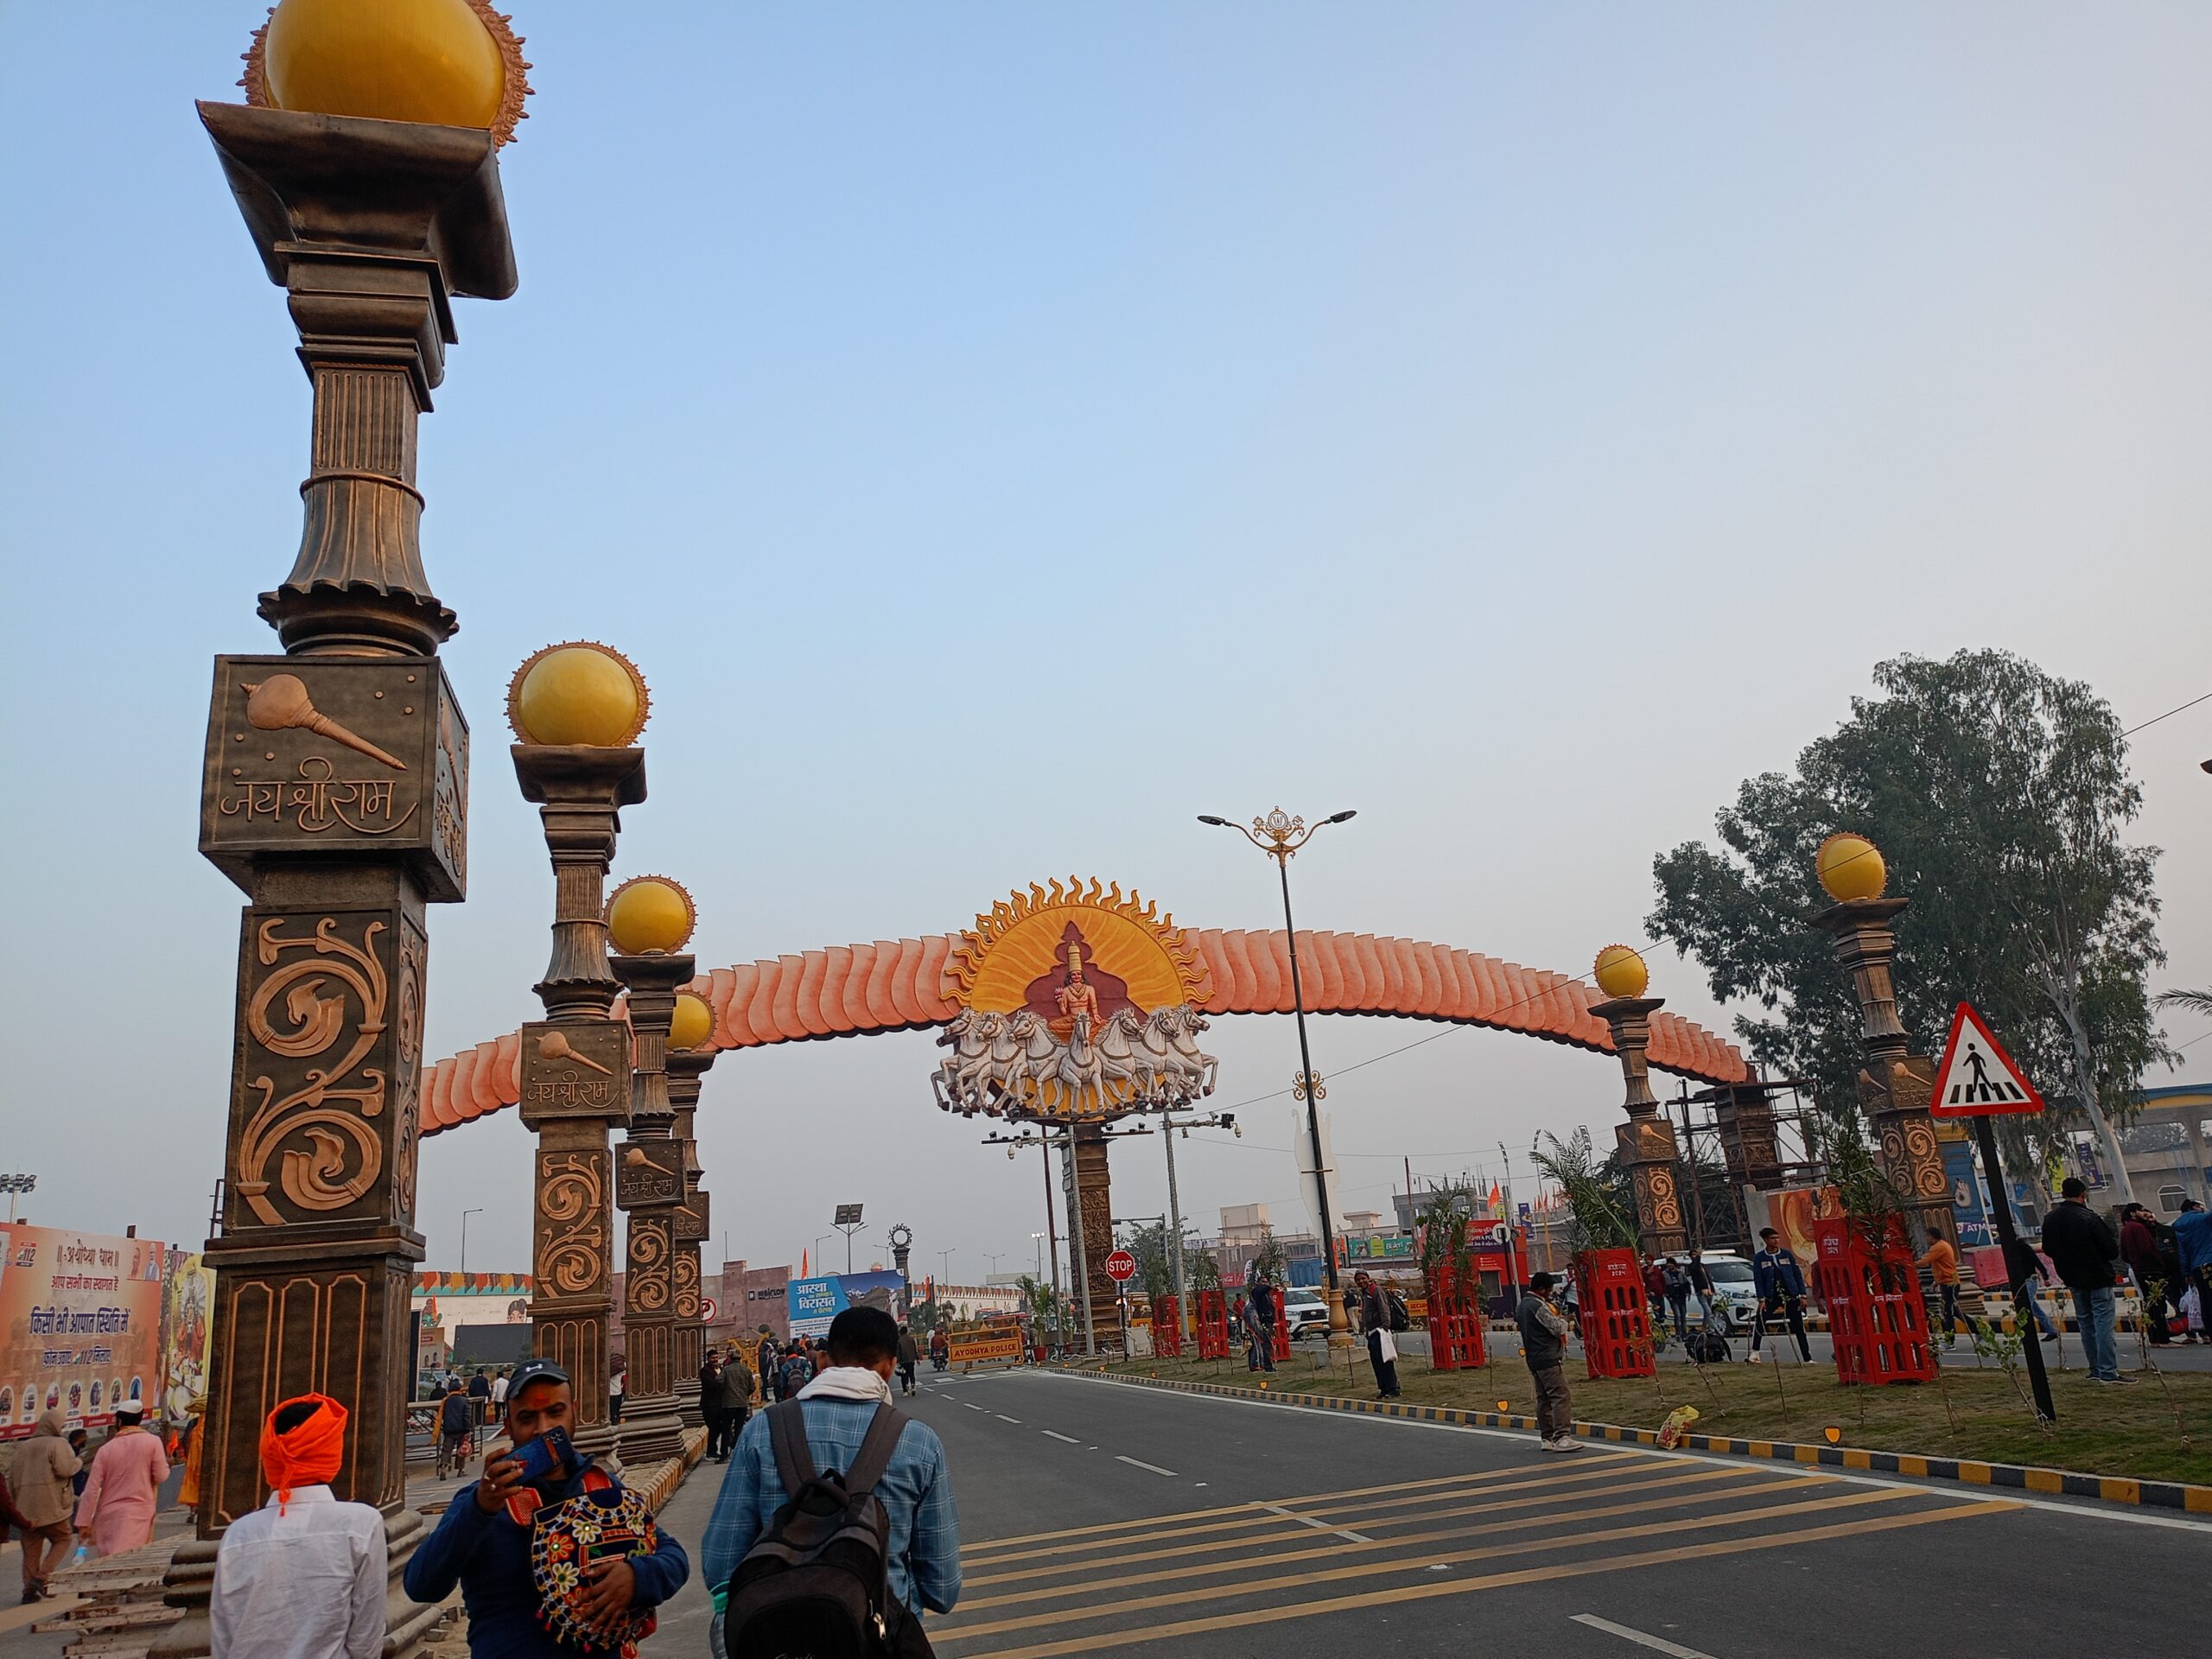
481,1546
1780,1282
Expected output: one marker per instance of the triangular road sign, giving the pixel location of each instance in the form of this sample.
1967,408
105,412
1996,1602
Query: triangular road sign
1978,1078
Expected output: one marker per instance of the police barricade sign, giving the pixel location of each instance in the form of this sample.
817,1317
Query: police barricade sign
998,1346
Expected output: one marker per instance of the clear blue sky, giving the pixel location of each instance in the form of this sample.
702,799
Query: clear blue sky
1002,432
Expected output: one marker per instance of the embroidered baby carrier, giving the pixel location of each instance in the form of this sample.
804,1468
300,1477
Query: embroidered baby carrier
605,1521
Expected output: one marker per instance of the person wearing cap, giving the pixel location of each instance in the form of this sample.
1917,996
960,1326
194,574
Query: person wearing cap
45,1479
303,1576
483,1543
124,1490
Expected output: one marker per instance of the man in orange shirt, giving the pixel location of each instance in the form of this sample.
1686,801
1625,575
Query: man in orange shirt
1942,1264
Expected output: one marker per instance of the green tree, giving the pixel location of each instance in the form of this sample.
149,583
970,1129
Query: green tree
1270,1261
2000,796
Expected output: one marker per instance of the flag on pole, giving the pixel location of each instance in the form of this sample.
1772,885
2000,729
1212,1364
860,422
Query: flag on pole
802,1264
1497,1199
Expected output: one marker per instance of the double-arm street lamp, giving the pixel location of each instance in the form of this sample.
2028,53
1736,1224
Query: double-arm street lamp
1280,836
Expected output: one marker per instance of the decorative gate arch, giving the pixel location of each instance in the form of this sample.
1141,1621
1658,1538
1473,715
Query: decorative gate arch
1073,1004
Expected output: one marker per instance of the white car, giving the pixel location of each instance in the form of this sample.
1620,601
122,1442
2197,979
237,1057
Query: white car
1305,1312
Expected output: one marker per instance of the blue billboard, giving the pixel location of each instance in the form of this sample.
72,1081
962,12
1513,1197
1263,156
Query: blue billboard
815,1302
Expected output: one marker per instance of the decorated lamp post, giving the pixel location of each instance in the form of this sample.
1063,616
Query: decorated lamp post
650,920
1647,1139
578,709
335,788
1895,1084
691,1030
1280,836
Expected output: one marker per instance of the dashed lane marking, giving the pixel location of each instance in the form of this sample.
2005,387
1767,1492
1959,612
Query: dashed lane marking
1056,1434
1138,1463
1318,1526
1003,1418
1642,1638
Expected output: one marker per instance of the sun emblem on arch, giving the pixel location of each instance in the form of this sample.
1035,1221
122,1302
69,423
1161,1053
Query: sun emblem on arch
1018,953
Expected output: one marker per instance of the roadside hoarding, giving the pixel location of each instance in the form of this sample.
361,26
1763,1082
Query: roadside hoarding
815,1302
81,1325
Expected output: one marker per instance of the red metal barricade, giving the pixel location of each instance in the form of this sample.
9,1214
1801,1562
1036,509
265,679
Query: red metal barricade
1167,1328
1281,1342
1213,1325
1455,1323
1615,1323
1875,1318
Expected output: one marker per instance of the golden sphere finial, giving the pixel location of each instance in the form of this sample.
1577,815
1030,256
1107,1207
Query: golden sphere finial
1850,867
579,692
694,1021
651,915
1620,971
450,63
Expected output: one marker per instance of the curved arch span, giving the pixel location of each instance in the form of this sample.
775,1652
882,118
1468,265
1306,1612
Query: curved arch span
851,990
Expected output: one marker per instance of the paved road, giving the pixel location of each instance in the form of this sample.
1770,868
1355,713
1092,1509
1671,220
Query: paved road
1102,1518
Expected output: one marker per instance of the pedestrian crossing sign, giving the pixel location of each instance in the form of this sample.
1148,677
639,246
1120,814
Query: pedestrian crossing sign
1977,1078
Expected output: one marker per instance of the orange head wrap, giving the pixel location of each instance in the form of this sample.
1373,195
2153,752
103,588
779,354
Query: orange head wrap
309,1453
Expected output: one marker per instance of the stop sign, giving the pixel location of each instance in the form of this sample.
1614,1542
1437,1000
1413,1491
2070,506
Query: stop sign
1121,1267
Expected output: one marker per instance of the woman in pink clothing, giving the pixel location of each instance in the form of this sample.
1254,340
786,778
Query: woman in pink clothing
117,1511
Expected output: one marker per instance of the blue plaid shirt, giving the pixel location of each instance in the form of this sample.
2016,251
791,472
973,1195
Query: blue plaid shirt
924,1568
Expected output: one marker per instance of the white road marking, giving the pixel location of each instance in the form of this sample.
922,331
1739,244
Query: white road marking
1656,1644
1318,1526
1138,1463
1003,1418
971,1405
2008,1496
1056,1434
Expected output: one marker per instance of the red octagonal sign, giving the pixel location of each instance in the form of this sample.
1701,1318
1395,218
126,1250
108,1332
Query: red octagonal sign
1121,1267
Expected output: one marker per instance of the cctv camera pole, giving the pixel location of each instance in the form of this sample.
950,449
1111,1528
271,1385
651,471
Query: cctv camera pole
1175,1229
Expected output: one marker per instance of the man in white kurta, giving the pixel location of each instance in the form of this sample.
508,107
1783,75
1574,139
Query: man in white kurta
303,1577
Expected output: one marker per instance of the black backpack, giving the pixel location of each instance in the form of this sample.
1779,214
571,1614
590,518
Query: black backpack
814,1583
1400,1317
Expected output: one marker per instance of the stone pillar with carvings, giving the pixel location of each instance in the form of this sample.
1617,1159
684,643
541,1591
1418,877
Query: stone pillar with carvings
334,792
1095,1184
1743,1115
1647,1145
687,1068
1895,1084
649,1184
576,1063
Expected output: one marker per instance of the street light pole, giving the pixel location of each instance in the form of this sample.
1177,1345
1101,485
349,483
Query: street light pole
465,1215
1280,836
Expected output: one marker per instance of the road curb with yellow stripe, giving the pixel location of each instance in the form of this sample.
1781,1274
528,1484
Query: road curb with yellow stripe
1971,1472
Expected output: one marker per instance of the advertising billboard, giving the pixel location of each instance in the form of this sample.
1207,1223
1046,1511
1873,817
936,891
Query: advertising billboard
815,1302
81,1325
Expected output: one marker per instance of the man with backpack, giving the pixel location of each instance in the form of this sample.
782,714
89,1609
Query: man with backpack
835,1528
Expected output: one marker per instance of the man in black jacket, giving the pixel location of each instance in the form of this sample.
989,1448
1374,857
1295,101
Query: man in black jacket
2082,1246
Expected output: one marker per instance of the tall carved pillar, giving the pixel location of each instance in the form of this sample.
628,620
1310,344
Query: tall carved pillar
575,1067
1647,1139
334,792
1094,1183
686,1069
649,1189
1895,1085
